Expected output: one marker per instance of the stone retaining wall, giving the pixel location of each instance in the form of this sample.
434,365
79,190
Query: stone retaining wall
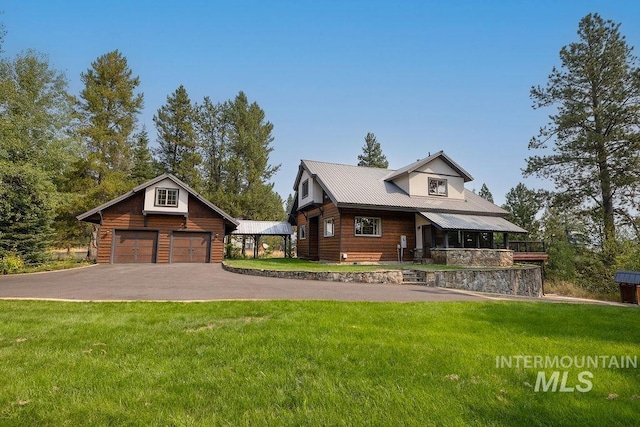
521,280
390,276
473,257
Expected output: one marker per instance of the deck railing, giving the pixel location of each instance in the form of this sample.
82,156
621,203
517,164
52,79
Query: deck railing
527,246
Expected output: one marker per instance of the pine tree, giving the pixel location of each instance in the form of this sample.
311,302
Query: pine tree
485,193
523,205
177,152
143,163
372,153
109,106
595,128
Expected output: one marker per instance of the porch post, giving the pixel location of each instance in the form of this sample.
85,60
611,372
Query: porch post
506,240
446,239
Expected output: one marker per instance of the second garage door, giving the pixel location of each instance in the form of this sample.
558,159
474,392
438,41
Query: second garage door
190,246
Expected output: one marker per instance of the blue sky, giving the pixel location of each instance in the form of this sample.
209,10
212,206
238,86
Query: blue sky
422,76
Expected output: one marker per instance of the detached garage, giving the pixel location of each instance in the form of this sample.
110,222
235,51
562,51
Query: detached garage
161,221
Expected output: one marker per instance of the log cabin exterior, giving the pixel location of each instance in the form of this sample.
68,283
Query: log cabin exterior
348,213
160,221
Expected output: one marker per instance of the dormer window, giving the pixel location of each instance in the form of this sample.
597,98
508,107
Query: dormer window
305,189
167,197
437,187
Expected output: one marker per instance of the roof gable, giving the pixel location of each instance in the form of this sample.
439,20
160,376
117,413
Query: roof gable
415,166
86,216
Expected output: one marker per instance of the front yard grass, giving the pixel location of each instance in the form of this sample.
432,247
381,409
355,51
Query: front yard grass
310,363
295,264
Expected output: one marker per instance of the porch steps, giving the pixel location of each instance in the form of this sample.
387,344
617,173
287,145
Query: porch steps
410,277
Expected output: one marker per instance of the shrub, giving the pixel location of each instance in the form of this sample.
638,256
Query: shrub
11,262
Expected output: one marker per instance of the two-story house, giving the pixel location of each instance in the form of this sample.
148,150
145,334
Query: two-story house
350,213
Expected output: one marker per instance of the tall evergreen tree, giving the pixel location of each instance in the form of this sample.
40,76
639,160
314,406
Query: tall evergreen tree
143,163
177,152
109,106
523,205
214,130
249,169
372,153
595,129
485,193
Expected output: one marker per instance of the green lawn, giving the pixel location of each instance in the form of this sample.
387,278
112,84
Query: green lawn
295,264
309,363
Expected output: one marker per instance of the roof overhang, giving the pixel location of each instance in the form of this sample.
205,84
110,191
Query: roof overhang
452,221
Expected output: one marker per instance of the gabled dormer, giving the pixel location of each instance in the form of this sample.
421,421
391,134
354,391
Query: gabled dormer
167,197
434,176
308,189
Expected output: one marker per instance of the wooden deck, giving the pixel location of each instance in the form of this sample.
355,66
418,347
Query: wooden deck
530,256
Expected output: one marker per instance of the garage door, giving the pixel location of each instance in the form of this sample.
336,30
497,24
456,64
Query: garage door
135,246
190,247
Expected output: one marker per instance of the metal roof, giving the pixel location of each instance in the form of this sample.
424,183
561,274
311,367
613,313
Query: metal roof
86,216
366,187
448,221
629,277
264,228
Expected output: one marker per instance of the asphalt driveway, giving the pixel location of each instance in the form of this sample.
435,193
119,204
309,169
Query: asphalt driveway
203,282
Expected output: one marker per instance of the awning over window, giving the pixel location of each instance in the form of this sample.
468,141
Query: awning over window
449,221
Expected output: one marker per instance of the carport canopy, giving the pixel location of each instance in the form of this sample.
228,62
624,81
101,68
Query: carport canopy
257,229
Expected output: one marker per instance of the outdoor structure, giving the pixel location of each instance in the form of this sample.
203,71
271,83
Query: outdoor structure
350,213
257,229
629,282
162,220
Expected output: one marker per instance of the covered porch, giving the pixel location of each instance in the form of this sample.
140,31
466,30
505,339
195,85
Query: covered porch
465,239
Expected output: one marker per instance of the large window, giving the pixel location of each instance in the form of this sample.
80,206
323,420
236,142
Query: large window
329,228
368,226
305,189
167,197
437,187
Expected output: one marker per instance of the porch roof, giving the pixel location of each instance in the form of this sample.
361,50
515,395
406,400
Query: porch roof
451,221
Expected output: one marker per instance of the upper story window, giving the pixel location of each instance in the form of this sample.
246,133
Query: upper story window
305,188
368,226
329,227
167,197
437,187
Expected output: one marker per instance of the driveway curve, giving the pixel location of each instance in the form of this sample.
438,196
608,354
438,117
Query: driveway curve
203,282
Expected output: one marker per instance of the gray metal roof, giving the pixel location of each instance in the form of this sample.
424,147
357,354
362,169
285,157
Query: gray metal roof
94,211
358,186
449,221
630,277
264,228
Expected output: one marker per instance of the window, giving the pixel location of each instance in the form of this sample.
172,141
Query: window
305,188
367,226
328,227
437,187
167,197
303,231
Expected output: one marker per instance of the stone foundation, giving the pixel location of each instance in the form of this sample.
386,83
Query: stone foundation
473,257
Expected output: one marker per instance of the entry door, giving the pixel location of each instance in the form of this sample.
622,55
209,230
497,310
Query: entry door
190,247
427,240
132,246
313,235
